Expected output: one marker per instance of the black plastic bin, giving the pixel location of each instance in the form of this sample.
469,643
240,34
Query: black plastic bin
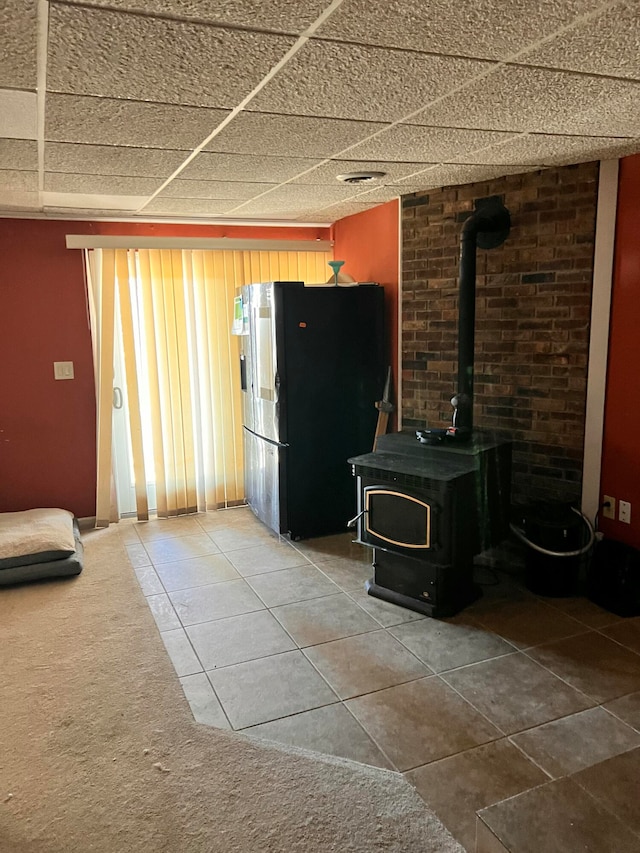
554,527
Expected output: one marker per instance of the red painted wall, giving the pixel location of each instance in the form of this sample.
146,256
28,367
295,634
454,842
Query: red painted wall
47,426
621,445
369,243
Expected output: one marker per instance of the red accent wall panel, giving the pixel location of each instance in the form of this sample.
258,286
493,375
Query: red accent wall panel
47,426
621,445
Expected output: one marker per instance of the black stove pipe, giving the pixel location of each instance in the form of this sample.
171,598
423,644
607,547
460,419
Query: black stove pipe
487,228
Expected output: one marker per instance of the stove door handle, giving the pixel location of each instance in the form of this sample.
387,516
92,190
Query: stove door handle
354,521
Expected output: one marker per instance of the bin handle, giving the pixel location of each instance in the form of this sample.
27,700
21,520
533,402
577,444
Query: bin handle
578,553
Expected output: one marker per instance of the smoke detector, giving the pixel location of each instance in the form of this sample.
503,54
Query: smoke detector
361,177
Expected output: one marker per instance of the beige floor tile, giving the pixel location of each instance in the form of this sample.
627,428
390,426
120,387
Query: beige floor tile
349,574
203,701
138,556
127,532
269,688
234,516
592,663
149,581
626,632
198,571
384,612
527,622
168,528
216,601
421,721
244,535
266,557
627,708
321,620
515,693
616,784
180,651
339,545
556,818
238,639
580,740
365,663
163,612
180,548
584,611
331,730
288,585
445,645
456,787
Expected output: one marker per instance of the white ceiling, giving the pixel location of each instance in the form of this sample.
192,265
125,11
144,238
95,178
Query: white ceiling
232,110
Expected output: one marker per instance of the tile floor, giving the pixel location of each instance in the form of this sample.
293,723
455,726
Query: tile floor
279,640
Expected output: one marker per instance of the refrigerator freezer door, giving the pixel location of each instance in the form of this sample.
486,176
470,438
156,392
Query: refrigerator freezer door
262,478
264,362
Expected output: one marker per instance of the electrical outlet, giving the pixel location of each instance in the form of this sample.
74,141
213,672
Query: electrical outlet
609,511
625,512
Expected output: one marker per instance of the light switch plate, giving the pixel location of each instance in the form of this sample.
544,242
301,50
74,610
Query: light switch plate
63,369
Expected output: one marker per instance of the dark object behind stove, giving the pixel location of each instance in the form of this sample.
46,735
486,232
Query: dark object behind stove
613,580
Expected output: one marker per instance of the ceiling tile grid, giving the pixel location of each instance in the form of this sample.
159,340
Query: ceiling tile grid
184,109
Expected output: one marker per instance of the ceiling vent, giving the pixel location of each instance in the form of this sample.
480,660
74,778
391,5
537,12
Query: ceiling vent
361,177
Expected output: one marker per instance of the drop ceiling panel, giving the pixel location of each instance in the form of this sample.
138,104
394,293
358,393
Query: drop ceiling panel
533,99
555,150
16,200
107,160
491,29
245,167
447,175
214,189
426,144
18,114
608,44
92,201
118,55
294,197
188,206
353,81
102,184
283,15
18,154
295,136
12,179
107,121
345,208
18,34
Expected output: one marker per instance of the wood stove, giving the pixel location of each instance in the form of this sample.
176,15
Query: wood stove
426,511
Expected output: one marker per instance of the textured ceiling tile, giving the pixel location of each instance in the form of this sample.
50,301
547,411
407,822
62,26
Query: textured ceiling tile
11,179
245,167
328,173
607,44
214,189
347,208
295,136
490,29
188,207
106,160
352,81
556,150
18,114
100,184
18,200
283,15
534,99
18,154
447,175
18,32
405,142
118,55
295,198
92,201
106,121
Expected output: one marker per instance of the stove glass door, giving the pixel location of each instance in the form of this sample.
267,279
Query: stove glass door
396,518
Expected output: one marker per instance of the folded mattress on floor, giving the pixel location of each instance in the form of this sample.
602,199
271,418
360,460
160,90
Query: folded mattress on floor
39,543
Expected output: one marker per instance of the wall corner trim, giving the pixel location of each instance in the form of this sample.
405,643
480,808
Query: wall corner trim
599,337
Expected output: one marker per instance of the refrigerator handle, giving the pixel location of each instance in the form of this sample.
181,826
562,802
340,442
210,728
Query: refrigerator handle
243,372
276,385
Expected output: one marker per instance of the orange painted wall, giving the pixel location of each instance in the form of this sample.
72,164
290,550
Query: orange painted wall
369,244
621,445
47,427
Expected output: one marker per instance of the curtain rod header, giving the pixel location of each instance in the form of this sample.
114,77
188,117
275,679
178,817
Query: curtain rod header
100,241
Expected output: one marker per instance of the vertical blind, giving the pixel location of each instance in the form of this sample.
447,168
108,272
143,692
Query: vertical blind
172,310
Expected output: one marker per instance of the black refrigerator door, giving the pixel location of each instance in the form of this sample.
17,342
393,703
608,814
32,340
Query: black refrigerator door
332,352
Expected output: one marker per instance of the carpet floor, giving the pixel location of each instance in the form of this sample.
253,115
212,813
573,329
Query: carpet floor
99,750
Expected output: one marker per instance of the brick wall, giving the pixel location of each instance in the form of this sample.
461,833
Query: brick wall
533,302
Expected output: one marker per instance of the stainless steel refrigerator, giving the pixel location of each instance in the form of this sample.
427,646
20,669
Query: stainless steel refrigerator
312,368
